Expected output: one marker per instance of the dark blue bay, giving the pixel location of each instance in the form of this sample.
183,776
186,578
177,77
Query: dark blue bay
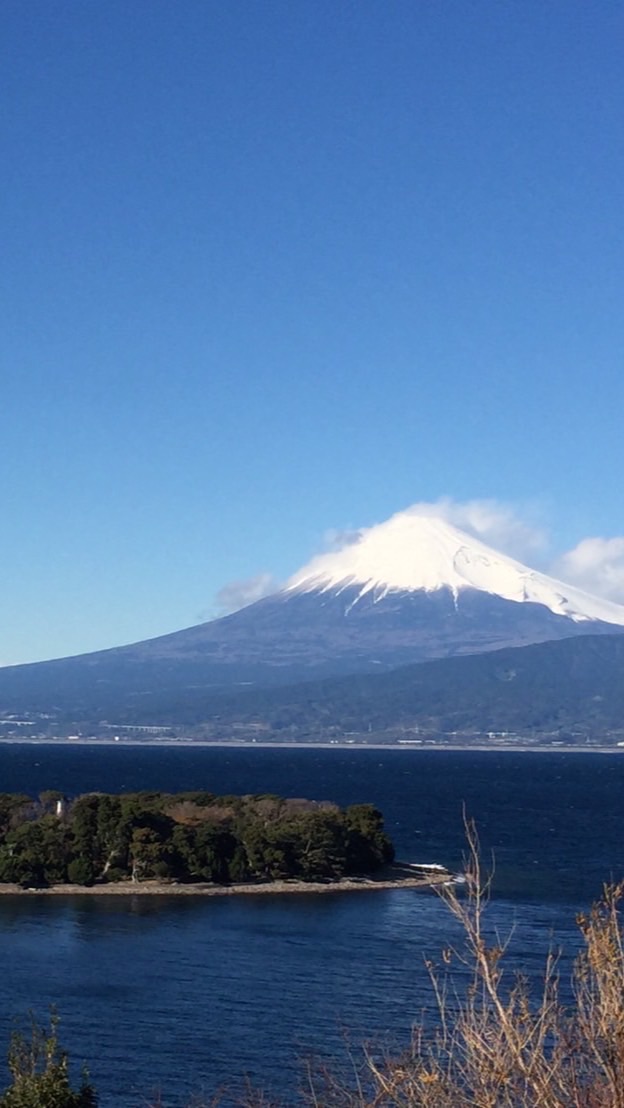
185,994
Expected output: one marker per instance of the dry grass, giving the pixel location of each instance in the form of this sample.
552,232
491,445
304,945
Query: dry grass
498,1045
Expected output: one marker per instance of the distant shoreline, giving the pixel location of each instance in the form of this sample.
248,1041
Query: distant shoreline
235,744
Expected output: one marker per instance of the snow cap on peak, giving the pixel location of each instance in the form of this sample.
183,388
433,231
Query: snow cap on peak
414,551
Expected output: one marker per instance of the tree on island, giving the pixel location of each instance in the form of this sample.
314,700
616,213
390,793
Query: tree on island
187,837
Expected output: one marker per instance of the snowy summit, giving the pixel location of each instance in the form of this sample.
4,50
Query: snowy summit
411,552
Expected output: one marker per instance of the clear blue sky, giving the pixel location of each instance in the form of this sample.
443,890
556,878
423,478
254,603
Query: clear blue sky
275,268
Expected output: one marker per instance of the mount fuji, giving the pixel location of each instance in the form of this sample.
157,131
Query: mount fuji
410,589
414,553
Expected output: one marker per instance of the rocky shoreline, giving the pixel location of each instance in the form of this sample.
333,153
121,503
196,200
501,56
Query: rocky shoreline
394,877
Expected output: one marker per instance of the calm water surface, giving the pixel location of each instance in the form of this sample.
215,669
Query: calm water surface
185,995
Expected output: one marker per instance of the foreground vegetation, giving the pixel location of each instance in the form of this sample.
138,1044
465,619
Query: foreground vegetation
499,1045
496,1046
40,1073
185,837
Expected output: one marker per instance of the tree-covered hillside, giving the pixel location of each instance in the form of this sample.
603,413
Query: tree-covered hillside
572,688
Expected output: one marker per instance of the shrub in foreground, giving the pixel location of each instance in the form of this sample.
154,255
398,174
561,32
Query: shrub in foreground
498,1045
40,1073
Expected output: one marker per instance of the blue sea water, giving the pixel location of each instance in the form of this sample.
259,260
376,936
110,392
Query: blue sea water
187,995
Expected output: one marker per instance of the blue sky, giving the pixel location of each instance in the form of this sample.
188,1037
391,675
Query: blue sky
275,270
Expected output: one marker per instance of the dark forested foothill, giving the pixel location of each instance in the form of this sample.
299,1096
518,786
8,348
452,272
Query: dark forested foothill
185,837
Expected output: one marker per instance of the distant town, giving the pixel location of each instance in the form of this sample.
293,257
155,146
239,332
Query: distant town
40,728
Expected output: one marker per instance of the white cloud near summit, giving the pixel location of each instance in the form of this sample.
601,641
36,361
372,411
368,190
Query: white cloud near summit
596,565
237,594
513,531
499,525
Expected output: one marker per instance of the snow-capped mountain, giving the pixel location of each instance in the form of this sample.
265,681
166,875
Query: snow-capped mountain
411,589
411,553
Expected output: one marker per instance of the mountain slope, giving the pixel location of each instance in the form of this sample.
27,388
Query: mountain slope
280,640
410,589
573,687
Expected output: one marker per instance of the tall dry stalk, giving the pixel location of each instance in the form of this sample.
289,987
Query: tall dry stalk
599,992
498,1045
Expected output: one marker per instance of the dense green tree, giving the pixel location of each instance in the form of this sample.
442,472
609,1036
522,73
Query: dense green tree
14,809
368,845
150,855
81,871
24,859
323,845
206,853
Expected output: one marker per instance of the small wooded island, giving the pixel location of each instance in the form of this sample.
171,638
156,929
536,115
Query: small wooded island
123,842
